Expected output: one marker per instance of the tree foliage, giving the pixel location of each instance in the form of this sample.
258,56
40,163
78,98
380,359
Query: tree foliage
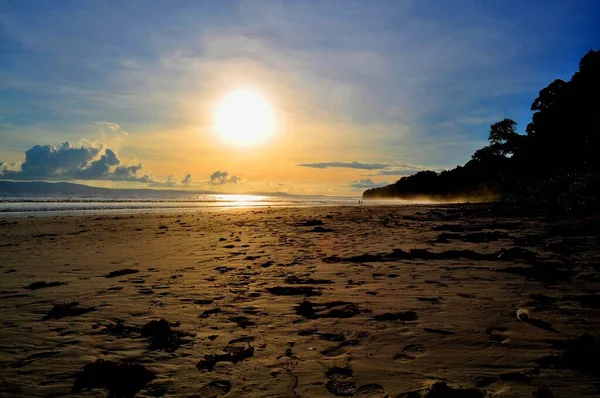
556,163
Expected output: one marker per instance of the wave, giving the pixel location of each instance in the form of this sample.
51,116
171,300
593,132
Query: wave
65,206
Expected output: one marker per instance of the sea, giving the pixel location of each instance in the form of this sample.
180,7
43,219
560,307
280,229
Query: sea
45,199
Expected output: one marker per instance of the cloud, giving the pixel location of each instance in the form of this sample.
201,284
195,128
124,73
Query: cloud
111,128
346,165
383,169
220,178
44,162
13,166
91,161
98,168
129,173
401,172
172,182
67,162
405,170
366,184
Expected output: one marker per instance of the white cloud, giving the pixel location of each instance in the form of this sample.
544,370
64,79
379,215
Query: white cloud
112,128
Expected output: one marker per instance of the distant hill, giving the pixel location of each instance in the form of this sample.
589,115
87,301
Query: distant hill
8,188
56,189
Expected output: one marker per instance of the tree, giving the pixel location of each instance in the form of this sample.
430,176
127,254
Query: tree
503,132
564,131
557,163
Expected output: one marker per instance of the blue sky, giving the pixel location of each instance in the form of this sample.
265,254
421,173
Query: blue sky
400,84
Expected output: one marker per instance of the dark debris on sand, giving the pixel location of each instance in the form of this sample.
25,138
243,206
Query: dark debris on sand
294,291
332,337
118,329
513,254
442,390
406,316
580,354
515,377
43,284
517,253
321,230
162,335
210,312
474,237
63,310
543,392
439,331
548,273
309,223
121,272
242,321
418,254
295,280
121,379
331,309
586,300
232,354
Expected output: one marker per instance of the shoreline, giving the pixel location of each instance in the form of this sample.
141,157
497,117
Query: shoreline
142,210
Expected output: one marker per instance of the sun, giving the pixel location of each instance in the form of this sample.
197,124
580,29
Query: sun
244,118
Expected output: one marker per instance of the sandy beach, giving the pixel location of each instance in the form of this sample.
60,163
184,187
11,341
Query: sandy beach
306,302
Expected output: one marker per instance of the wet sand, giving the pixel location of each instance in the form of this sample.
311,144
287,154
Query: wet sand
348,301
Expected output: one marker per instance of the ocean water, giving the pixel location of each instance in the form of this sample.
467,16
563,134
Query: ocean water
25,199
129,201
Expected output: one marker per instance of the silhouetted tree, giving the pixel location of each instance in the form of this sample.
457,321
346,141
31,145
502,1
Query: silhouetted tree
557,163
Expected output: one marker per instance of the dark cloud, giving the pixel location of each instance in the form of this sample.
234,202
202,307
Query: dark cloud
366,184
346,165
98,169
187,179
128,173
47,162
220,178
403,172
392,169
67,162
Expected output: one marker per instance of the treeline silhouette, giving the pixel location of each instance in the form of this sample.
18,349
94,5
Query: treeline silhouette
555,164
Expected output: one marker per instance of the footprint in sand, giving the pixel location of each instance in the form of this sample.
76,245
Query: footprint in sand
340,348
340,382
334,337
498,335
411,352
215,389
415,350
370,391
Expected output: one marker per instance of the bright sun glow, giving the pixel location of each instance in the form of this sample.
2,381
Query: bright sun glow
244,118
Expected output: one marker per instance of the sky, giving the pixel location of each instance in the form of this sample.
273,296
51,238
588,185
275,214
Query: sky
124,93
